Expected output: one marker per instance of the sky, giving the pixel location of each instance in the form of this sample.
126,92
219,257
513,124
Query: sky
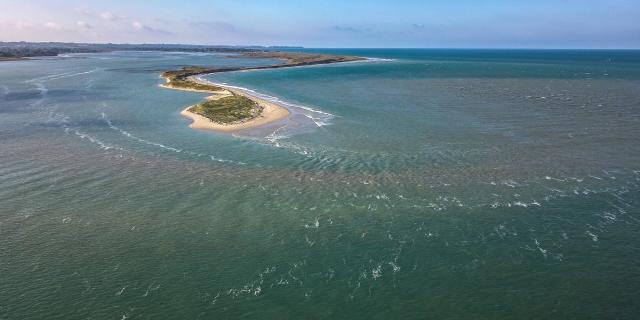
330,23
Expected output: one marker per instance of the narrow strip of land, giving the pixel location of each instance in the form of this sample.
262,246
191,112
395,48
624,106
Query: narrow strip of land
12,58
230,110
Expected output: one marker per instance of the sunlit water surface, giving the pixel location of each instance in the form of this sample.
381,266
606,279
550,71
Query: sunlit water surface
421,184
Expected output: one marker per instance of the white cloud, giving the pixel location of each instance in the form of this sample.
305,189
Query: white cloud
107,15
84,25
142,27
52,25
138,25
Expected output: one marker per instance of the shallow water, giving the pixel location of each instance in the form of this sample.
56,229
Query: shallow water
425,183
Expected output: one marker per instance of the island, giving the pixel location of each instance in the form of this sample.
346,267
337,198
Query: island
228,109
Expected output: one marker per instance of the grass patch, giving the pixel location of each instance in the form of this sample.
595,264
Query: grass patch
228,110
184,84
178,79
236,108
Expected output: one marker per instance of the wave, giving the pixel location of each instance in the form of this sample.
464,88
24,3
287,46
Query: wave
73,75
194,54
45,78
91,138
274,136
43,90
318,123
320,118
126,133
63,120
60,76
266,97
163,146
371,59
273,139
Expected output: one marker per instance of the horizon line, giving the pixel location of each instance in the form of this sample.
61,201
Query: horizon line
323,47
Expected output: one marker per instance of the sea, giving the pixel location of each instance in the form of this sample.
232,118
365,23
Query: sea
416,184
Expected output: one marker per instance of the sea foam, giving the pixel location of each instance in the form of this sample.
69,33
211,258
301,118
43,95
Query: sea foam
163,146
318,117
371,59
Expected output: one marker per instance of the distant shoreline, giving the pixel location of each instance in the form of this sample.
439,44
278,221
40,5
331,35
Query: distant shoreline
13,58
265,112
22,49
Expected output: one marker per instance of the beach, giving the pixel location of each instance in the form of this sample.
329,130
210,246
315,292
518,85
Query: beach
270,112
239,116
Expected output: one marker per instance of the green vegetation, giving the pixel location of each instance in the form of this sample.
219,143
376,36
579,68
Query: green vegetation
228,110
183,84
184,72
293,59
179,79
236,108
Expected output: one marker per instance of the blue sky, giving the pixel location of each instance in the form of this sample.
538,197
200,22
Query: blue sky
330,23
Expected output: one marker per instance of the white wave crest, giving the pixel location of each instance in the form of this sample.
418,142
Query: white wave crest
59,76
275,136
371,59
72,75
126,133
320,118
163,146
86,136
42,88
45,78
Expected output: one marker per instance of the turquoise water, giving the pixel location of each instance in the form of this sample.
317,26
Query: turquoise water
437,184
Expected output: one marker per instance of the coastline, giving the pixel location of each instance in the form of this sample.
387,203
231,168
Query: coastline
13,59
185,79
270,112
